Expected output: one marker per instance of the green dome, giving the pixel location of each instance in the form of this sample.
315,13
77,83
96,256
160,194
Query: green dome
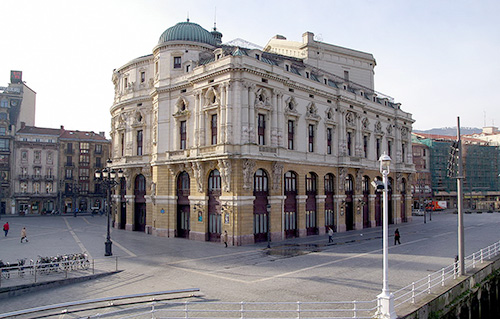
187,31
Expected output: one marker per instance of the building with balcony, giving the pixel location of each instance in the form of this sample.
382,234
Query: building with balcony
35,175
17,104
283,140
421,183
81,153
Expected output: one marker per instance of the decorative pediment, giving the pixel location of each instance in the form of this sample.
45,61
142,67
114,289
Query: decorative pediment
312,112
330,115
350,119
262,99
138,119
291,107
212,98
378,127
365,123
181,108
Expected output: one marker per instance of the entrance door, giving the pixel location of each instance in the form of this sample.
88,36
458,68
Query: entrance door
183,207
349,204
260,215
290,213
140,203
311,192
214,209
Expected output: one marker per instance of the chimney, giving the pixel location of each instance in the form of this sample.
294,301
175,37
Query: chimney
62,127
102,134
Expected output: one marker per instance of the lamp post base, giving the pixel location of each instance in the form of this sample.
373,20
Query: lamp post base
108,248
386,306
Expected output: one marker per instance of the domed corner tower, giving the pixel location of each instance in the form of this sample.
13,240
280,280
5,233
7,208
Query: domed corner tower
179,48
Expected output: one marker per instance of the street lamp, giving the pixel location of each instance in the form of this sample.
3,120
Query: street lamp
108,178
385,299
268,210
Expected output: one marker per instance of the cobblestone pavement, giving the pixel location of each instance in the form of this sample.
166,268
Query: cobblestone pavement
302,269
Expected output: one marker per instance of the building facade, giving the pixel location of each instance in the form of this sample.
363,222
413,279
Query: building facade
81,153
282,141
422,180
481,162
35,176
17,104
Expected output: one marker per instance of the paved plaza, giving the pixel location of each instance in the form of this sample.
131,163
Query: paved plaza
303,269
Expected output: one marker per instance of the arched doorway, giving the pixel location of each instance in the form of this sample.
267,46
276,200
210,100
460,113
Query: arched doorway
123,203
311,192
290,214
349,203
365,205
260,215
214,209
378,204
329,204
183,207
403,200
140,203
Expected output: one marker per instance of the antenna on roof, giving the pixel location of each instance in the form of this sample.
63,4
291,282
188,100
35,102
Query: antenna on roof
215,19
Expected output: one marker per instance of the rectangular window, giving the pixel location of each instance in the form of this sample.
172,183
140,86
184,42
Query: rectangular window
69,160
346,75
84,148
311,137
349,143
287,67
389,148
122,144
329,141
84,159
156,67
262,129
143,77
365,146
125,83
182,133
69,173
403,151
177,62
24,156
84,173
139,142
98,148
4,144
98,163
3,131
291,134
188,67
69,148
213,128
377,146
37,157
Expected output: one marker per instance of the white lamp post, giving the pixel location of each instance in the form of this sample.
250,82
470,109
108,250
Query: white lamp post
385,299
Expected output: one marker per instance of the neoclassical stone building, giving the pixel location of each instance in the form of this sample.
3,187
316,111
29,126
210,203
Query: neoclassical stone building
215,137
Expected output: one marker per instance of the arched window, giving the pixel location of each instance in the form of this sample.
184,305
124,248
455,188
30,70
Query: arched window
349,183
290,181
260,181
214,180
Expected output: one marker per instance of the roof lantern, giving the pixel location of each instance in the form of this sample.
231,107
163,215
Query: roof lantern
189,31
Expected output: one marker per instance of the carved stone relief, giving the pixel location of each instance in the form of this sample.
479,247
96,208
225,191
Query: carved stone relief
225,168
199,175
248,167
277,173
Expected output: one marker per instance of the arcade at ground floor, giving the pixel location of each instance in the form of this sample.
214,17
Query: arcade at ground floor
252,199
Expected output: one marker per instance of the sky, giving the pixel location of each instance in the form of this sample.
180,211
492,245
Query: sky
439,59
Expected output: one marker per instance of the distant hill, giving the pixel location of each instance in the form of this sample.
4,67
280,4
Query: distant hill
450,131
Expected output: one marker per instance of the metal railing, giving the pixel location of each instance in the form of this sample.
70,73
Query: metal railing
111,308
424,286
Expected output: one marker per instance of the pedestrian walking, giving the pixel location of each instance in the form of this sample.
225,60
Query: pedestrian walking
23,234
6,228
224,238
330,235
397,237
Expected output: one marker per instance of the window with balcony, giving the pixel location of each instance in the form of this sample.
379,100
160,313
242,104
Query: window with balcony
48,187
69,173
98,162
84,173
23,187
3,131
98,148
37,157
36,187
4,144
69,148
84,159
69,160
84,148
